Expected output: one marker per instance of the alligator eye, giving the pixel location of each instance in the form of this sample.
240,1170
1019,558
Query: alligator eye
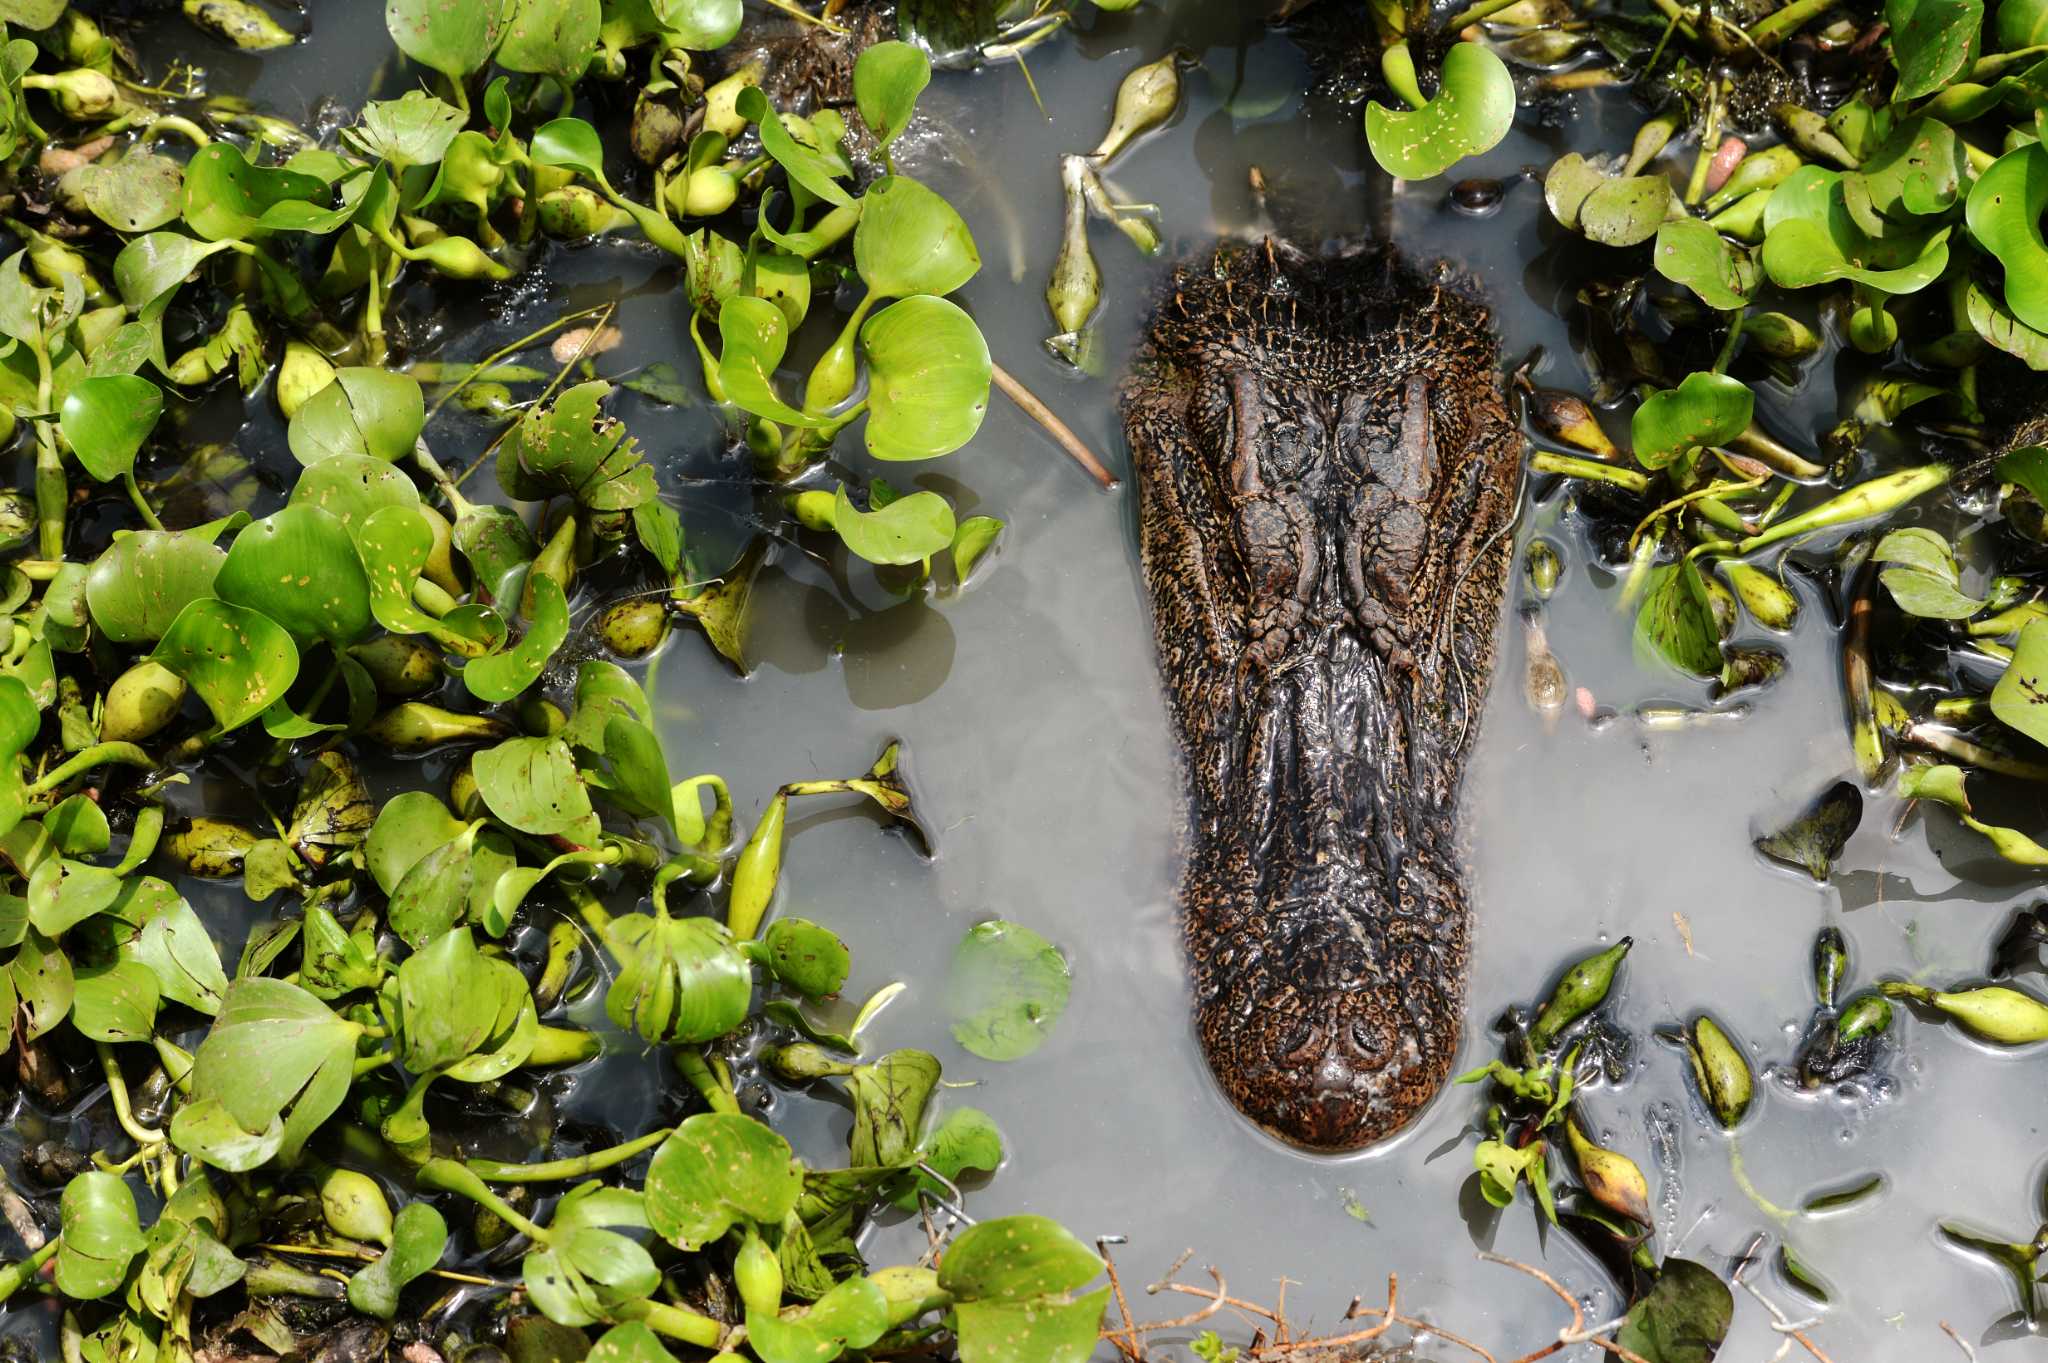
1370,1040
1302,1045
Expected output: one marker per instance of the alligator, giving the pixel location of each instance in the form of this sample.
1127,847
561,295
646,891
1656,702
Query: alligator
1327,476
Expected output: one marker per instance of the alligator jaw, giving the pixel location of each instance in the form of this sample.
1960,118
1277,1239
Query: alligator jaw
1326,471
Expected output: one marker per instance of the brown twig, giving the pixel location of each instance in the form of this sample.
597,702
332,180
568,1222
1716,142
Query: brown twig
1961,1343
1128,1341
1054,427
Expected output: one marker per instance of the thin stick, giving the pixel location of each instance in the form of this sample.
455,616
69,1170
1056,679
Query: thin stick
1054,427
1961,1343
1128,1341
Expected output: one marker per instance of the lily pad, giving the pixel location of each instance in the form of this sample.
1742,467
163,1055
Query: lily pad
237,660
1006,989
1472,111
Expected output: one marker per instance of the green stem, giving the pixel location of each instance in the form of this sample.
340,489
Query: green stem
559,1170
141,503
1784,22
97,755
449,1176
53,495
693,1066
563,1046
1710,142
1571,466
15,1276
677,1322
1397,64
1728,343
1763,1204
1473,13
117,1089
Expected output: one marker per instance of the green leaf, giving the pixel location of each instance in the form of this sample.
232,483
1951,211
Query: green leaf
680,980
2004,214
145,579
1676,621
102,1233
909,240
716,1171
456,40
1705,409
629,1343
175,947
550,37
413,130
115,1003
299,567
889,1100
1812,237
77,826
136,193
1043,1330
1920,167
639,778
149,270
967,1138
228,199
364,411
1990,320
276,1053
1933,41
908,530
887,79
62,894
971,540
571,144
1006,989
1615,212
418,1235
806,166
1691,253
853,1313
434,894
753,334
1472,111
573,448
1015,1259
410,825
806,957
2021,23
106,419
533,785
928,378
354,487
1682,1319
699,25
501,676
2020,699
239,662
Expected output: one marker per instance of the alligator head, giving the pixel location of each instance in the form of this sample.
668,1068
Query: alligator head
1326,475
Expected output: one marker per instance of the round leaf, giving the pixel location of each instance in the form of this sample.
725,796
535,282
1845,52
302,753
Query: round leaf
299,567
716,1171
140,192
928,378
106,419
1007,988
909,239
571,144
238,661
364,411
140,584
1691,253
533,785
1705,409
102,1233
1932,42
1473,108
455,40
501,676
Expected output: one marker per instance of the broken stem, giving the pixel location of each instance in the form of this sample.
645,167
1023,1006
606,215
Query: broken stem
1054,427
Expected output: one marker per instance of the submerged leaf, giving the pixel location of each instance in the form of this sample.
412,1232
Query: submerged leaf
1812,841
1007,988
1683,1318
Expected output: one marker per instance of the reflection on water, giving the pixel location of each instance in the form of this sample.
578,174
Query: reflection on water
1041,754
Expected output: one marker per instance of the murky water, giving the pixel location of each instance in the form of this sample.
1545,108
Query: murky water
1039,748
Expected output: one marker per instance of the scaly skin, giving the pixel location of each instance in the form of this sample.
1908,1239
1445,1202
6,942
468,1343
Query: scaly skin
1326,474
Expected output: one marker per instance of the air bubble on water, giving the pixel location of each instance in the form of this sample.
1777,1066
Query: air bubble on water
1660,1121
